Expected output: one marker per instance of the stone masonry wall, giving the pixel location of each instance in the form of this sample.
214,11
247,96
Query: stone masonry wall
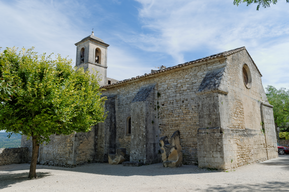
210,138
269,131
28,144
65,150
152,131
105,138
138,132
210,148
13,155
59,151
144,135
241,117
175,105
283,142
84,150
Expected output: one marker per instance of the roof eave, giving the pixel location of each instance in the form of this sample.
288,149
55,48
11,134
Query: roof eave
89,38
211,58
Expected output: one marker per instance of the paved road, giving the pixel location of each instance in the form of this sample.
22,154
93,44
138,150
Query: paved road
272,175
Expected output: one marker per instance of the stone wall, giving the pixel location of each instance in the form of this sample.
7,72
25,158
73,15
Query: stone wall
138,132
59,151
175,106
245,139
210,148
28,144
105,138
144,136
84,149
268,128
13,155
65,150
283,142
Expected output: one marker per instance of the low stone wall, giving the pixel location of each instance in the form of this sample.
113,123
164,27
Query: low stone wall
284,142
13,155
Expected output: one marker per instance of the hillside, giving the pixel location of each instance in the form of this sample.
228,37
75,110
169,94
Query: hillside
12,142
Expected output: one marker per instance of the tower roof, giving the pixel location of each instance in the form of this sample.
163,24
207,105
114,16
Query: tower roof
92,37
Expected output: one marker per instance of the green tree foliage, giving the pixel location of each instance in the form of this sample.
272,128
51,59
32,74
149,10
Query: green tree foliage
41,96
284,135
279,98
263,3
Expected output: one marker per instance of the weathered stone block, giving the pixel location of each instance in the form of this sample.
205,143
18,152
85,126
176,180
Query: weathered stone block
172,155
117,158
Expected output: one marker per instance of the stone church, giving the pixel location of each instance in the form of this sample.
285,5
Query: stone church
217,104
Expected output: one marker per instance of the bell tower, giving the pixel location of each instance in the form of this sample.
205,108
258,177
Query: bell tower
91,54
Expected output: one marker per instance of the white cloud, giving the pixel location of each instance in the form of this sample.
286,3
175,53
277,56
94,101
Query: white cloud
40,24
55,26
178,27
169,29
123,65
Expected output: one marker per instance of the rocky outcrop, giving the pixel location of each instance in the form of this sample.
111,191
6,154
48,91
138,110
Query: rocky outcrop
172,155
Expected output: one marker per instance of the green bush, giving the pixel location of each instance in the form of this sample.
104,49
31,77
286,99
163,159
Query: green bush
284,135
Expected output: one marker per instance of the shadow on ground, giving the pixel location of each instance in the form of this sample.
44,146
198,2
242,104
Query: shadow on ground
282,160
116,170
269,186
154,169
6,180
146,170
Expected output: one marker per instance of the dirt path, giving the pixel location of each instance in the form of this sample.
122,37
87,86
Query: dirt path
272,175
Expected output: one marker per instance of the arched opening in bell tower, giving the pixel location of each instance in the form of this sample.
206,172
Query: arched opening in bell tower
82,55
97,56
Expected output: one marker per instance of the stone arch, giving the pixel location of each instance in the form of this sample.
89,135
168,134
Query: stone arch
97,55
82,51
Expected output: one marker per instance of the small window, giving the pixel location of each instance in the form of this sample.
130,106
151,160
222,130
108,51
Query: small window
128,126
82,55
247,76
109,82
97,56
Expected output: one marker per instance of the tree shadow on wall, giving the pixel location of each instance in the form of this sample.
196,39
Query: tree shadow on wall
268,186
6,180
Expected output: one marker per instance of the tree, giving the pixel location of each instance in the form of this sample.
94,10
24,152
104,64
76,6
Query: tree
41,97
264,3
280,101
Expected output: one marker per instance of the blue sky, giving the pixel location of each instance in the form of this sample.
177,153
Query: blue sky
145,34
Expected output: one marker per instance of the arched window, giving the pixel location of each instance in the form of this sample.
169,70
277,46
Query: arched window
97,56
247,76
128,126
109,82
82,55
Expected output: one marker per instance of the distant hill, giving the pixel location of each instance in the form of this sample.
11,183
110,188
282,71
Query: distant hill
12,142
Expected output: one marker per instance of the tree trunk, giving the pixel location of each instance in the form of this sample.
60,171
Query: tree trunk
32,173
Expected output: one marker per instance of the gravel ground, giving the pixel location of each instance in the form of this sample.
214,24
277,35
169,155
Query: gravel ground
272,175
